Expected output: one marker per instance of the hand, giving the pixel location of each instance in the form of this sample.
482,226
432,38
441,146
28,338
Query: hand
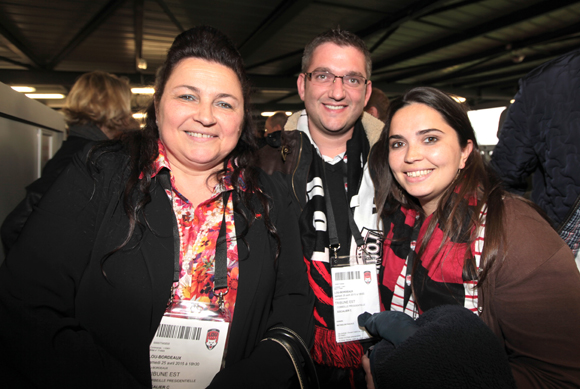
366,363
393,326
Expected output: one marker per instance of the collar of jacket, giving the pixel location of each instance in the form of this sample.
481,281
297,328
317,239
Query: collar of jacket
373,126
87,131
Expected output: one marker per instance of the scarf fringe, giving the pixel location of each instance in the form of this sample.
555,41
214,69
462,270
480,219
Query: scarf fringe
327,352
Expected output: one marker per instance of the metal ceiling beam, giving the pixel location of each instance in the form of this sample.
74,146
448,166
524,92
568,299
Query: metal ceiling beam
389,24
514,76
16,42
275,59
9,60
482,29
283,14
138,15
491,53
453,6
392,22
530,62
86,31
53,77
170,14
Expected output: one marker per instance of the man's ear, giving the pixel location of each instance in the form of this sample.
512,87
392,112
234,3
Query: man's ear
300,85
369,91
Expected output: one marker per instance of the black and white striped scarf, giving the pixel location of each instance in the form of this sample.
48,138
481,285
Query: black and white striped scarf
315,241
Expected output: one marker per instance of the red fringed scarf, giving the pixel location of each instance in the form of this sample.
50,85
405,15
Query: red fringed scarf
438,276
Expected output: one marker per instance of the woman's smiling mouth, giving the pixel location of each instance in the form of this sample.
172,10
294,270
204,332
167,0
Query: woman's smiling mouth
199,135
419,173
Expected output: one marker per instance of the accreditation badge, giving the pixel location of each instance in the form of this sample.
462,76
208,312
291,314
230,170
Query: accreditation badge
355,290
189,346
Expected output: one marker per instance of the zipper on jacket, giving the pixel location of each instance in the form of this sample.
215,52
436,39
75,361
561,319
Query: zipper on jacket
296,168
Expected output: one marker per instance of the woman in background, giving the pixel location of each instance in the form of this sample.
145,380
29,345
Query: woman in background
455,237
123,240
98,107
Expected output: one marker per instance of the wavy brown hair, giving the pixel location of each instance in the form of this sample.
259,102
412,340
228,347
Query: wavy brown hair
476,180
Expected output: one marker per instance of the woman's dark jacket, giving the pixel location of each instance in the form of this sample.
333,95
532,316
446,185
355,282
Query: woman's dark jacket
79,136
64,324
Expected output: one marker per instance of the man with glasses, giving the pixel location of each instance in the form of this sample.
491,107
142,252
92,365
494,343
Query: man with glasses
324,153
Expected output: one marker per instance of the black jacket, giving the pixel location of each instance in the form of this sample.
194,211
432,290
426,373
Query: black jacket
79,136
64,324
541,136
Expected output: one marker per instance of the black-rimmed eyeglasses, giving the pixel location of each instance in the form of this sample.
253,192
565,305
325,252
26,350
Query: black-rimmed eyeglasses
327,78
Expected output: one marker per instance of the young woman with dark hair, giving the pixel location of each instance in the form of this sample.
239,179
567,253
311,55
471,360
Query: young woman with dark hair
132,235
453,236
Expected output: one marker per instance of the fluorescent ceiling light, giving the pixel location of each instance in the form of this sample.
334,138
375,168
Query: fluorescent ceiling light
143,91
268,114
24,89
139,115
459,99
45,95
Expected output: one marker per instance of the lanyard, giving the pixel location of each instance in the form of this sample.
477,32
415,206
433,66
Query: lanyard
220,259
331,222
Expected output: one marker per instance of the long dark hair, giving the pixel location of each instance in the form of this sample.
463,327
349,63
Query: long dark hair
475,181
206,43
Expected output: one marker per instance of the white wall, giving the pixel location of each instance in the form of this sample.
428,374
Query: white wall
485,123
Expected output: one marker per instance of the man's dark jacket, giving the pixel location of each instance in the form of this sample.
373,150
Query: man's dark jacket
541,136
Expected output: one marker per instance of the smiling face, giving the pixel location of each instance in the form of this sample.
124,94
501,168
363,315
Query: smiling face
424,153
200,115
333,109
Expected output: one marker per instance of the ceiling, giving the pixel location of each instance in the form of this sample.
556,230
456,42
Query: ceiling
473,48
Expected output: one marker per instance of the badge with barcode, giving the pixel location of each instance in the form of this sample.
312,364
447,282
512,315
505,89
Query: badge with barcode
355,291
187,350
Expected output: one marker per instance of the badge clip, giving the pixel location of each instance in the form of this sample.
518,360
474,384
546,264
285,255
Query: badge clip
335,248
220,300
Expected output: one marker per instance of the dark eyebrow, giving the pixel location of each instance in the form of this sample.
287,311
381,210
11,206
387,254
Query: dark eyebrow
191,88
327,70
196,90
226,95
423,132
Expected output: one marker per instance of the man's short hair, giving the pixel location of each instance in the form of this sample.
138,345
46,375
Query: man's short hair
278,118
380,101
340,38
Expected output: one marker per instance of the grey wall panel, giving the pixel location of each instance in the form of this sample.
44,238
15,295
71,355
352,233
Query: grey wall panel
30,134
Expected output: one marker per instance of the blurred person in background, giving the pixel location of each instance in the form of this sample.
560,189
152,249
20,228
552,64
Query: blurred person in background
97,108
378,104
274,127
540,139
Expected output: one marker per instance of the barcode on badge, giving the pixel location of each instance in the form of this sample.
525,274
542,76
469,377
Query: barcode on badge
348,275
178,332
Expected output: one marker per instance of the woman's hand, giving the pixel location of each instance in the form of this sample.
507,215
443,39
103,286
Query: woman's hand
366,362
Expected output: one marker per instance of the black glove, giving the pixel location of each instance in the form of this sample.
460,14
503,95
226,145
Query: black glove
393,326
